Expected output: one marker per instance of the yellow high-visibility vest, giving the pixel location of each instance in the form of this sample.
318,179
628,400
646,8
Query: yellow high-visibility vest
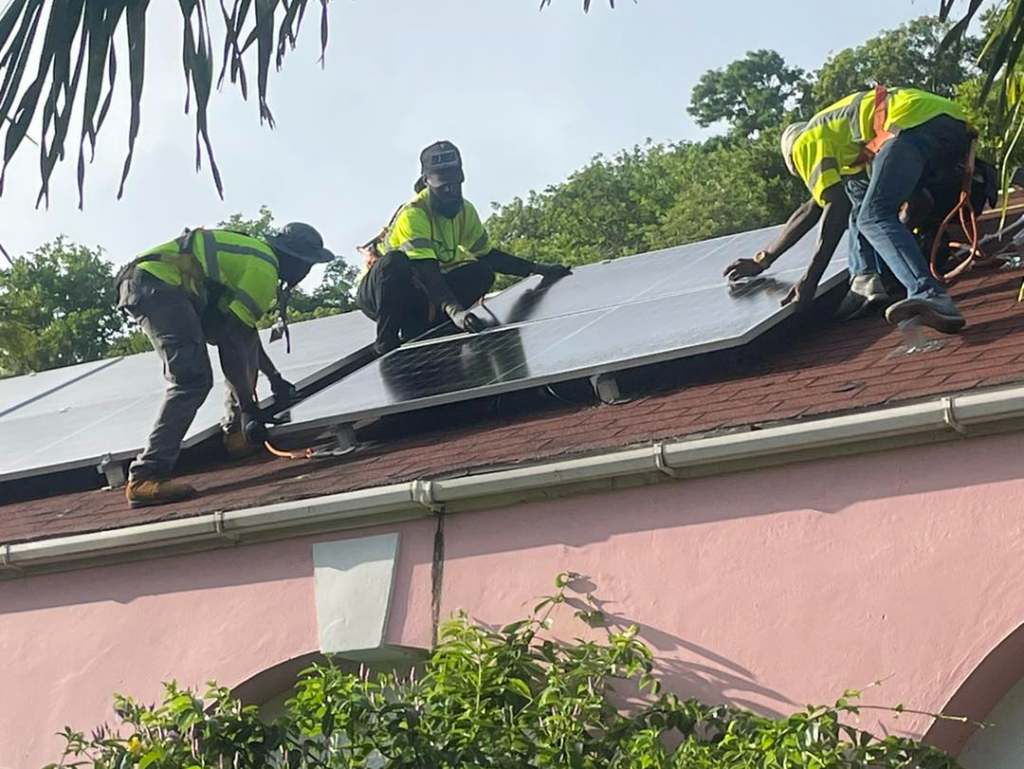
422,234
833,144
247,267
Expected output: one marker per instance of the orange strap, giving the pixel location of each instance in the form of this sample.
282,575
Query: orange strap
879,118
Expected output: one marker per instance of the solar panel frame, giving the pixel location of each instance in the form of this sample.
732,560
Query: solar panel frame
310,415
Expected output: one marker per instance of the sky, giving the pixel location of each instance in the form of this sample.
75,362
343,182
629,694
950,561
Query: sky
527,95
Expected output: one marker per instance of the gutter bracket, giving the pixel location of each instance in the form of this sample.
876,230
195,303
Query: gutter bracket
218,528
423,494
661,461
949,417
5,559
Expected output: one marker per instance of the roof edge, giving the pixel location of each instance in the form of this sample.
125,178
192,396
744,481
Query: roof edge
945,418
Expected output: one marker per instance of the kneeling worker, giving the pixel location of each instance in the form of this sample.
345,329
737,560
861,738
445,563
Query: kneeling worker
435,257
906,135
209,285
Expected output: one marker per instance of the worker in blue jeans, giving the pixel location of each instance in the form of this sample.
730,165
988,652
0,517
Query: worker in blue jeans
895,173
901,136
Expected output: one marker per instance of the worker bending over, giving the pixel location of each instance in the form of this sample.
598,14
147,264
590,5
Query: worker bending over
905,136
435,259
209,285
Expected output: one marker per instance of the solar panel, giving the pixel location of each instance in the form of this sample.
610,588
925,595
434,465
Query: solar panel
19,391
111,412
605,317
692,267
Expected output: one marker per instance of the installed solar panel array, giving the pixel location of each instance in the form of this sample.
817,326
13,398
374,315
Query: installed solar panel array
84,415
605,317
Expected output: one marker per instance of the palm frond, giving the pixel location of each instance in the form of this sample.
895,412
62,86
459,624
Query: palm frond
74,67
1005,40
586,4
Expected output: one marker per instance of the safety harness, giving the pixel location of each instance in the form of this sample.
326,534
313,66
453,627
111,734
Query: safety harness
371,249
879,117
963,209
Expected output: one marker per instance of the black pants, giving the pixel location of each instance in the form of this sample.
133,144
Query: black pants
390,295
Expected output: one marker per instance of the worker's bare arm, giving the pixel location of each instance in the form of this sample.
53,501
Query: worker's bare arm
799,224
834,219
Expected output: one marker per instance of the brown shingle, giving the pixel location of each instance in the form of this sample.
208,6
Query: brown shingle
839,369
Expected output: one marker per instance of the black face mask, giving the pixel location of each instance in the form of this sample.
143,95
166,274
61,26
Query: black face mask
446,200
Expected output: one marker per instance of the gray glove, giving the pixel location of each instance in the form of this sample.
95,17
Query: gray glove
464,320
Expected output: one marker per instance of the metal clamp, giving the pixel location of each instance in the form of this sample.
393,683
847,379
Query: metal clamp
114,472
5,559
606,388
344,443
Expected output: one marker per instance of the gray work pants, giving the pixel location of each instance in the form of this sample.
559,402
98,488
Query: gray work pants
171,321
238,346
175,329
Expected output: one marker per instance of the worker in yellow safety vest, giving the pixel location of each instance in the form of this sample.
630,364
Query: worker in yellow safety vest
211,286
435,259
901,137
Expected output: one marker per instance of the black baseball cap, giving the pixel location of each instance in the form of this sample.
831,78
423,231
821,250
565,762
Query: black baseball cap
441,163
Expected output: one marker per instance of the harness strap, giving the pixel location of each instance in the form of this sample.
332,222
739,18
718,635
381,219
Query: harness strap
879,117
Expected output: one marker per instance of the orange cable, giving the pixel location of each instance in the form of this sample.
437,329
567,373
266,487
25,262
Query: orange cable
968,218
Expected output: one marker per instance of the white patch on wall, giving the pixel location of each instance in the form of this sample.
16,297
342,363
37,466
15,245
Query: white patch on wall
1001,744
354,579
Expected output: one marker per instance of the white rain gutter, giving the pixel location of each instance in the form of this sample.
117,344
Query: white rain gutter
941,419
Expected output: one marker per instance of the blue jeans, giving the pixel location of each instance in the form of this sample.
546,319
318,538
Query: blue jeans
861,259
895,173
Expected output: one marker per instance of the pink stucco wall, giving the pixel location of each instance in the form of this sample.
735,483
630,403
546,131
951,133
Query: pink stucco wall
771,588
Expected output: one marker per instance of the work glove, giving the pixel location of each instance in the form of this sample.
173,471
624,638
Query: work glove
551,270
464,320
253,428
284,391
743,268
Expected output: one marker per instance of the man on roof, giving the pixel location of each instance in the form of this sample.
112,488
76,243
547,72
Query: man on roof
209,286
905,135
435,259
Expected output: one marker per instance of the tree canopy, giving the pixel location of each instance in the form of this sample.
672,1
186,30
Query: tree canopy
56,308
58,303
751,94
905,56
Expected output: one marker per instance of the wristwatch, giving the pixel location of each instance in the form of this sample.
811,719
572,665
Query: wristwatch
763,259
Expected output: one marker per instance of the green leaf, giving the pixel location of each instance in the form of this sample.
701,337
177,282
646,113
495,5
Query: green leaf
520,686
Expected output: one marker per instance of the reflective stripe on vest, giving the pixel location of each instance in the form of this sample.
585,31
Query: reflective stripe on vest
250,303
198,256
849,112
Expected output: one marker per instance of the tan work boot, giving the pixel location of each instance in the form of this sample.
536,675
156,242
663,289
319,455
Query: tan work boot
151,491
236,446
